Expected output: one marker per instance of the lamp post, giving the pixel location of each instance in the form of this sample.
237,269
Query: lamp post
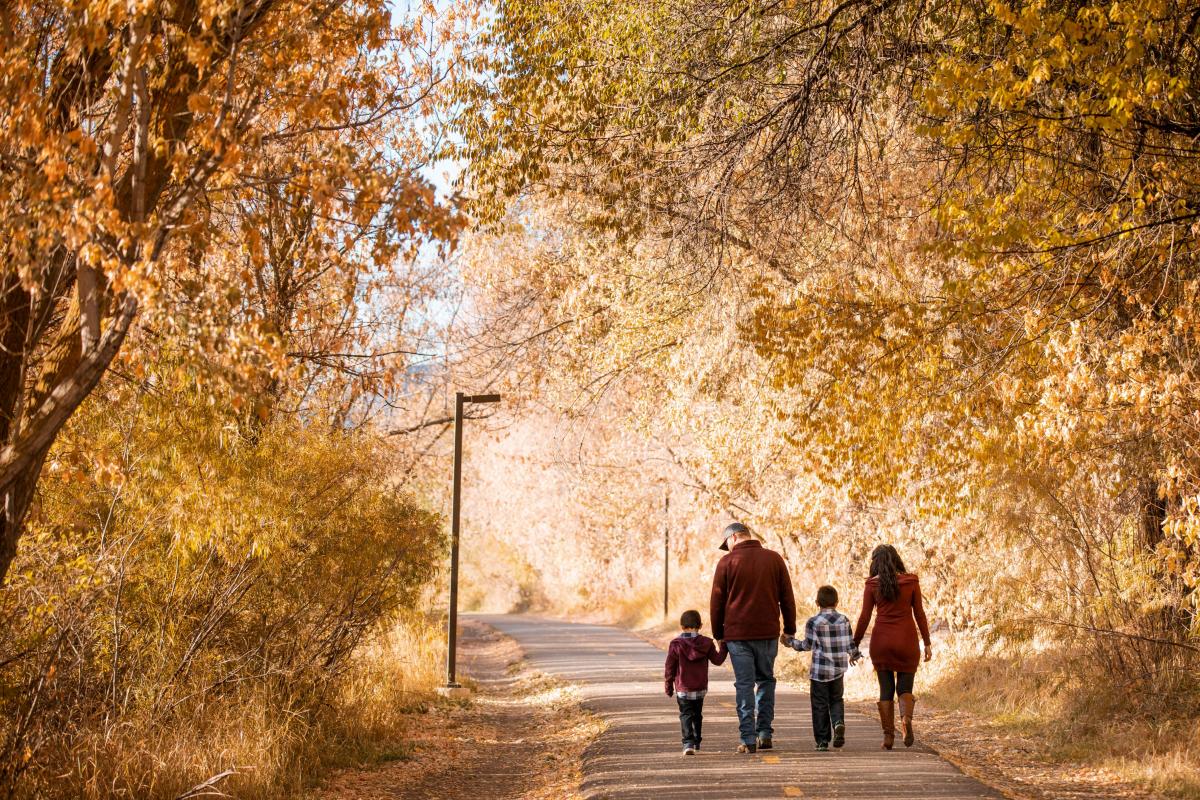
666,551
452,687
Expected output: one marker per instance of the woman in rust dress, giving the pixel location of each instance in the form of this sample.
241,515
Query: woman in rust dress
895,596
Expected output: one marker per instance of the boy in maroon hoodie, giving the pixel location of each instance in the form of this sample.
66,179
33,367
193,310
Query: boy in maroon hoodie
686,676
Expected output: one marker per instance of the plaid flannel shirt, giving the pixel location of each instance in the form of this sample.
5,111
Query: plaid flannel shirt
829,638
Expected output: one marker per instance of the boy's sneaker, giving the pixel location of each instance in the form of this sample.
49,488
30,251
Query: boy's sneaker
839,734
689,751
747,748
765,743
822,747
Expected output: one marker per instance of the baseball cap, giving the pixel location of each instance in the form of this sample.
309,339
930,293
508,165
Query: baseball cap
730,530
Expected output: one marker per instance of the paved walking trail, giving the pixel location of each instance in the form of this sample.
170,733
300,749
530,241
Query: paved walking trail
639,755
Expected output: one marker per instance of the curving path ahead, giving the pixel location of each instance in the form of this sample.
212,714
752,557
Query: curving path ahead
638,757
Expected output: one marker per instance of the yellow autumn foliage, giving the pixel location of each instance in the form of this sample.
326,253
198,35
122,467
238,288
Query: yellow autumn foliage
935,263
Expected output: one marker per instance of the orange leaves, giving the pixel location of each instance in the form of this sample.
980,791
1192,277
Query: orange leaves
145,141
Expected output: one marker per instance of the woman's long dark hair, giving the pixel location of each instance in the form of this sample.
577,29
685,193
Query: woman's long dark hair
886,565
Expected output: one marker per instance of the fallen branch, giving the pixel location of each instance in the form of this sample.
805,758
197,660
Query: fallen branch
209,787
1109,632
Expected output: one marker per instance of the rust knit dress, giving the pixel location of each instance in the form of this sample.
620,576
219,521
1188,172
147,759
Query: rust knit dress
894,637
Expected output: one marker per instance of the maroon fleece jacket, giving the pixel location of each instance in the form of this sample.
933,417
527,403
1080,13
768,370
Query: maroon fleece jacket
687,663
751,588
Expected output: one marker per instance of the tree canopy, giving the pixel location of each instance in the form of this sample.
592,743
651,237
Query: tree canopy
947,251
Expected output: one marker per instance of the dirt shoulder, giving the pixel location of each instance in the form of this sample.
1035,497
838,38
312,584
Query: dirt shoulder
520,736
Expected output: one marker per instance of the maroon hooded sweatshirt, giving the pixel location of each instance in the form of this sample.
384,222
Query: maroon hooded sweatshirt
687,663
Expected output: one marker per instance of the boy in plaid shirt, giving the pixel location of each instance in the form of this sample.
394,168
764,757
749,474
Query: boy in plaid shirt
831,641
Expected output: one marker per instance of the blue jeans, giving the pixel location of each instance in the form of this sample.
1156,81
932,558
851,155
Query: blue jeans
754,684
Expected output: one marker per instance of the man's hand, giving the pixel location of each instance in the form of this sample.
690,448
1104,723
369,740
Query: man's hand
928,652
670,690
720,643
785,640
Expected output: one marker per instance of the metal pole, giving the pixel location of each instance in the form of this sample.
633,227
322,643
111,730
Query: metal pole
666,552
454,531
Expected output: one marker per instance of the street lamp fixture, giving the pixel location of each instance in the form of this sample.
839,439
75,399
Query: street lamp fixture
453,688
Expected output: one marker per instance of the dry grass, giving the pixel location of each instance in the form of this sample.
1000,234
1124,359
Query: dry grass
521,735
243,750
401,667
251,745
1082,717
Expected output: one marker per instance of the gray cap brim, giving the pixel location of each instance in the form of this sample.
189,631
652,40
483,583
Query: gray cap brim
730,530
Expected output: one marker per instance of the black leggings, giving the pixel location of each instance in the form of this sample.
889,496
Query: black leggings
894,683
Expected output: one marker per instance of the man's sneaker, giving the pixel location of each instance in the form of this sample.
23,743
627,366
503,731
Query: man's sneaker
822,747
689,751
839,734
765,743
747,748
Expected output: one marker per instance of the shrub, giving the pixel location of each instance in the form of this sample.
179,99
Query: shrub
191,594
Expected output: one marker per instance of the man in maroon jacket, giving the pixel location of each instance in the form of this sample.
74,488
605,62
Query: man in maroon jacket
751,589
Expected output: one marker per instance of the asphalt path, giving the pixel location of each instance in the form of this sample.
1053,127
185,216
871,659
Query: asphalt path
639,755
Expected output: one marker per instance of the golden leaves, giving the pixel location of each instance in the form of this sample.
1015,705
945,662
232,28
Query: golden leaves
973,282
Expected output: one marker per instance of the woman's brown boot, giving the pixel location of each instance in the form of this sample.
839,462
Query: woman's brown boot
887,717
907,706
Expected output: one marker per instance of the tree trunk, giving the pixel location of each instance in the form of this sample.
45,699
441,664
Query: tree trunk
14,325
1174,620
17,498
67,377
1152,514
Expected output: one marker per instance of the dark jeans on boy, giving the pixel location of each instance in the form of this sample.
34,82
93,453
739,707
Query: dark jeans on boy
691,719
827,708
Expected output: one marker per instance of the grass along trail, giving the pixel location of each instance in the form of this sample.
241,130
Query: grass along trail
520,736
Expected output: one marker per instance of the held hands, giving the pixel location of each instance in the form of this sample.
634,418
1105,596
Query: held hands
785,640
